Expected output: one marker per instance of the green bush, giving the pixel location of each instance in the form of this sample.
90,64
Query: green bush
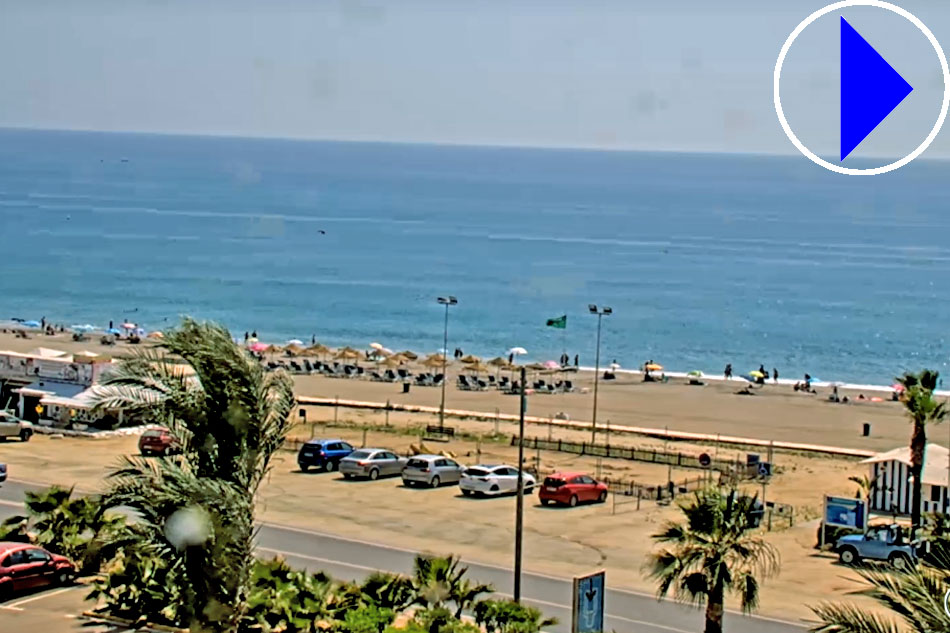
507,616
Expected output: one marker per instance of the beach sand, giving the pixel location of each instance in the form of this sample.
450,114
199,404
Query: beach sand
777,412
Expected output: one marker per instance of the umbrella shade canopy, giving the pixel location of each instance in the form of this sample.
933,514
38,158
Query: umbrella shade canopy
156,334
518,351
653,367
471,358
436,356
409,355
257,347
390,363
898,387
477,367
756,374
617,366
113,330
86,327
747,377
376,346
434,361
552,364
695,374
348,353
317,349
129,326
31,324
292,349
498,361
273,349
536,367
295,341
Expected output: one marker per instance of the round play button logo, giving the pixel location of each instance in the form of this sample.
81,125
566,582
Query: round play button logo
870,88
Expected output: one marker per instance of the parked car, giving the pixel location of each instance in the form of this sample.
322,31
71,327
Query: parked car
572,488
158,441
880,543
431,470
372,463
25,566
12,426
323,454
494,479
3,473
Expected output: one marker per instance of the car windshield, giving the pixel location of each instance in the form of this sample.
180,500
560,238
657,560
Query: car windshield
360,454
418,463
476,472
553,482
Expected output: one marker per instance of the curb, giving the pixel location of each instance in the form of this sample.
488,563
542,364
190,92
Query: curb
131,624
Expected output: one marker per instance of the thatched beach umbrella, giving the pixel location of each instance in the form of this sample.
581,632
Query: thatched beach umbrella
409,355
317,350
390,363
348,353
477,367
498,361
290,350
471,358
436,361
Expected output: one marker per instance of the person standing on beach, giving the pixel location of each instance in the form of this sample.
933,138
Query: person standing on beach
727,372
110,326
775,375
246,336
575,360
511,358
313,339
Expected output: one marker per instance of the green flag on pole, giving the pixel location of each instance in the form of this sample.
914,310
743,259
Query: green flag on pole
559,322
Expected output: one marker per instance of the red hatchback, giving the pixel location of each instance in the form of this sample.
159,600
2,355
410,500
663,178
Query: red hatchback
25,566
572,488
158,442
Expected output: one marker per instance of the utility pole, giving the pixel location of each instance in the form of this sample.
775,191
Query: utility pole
446,301
519,507
600,314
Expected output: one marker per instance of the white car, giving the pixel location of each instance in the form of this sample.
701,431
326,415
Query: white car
12,426
494,479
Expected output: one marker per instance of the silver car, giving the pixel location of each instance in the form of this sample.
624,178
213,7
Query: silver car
12,426
431,470
371,463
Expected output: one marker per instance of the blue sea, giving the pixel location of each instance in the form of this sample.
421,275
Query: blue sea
705,259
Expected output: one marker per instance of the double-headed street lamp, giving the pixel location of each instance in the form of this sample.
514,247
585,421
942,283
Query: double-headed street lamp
446,301
600,315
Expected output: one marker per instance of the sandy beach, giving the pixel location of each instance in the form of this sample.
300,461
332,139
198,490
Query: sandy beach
776,412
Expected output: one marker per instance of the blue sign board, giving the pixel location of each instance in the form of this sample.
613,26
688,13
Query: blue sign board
588,615
845,512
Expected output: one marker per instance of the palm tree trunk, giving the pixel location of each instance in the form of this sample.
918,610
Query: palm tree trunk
714,608
918,443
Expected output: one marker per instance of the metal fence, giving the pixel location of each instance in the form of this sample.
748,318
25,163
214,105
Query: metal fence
654,456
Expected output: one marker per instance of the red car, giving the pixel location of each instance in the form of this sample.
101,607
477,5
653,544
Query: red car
25,566
572,488
158,442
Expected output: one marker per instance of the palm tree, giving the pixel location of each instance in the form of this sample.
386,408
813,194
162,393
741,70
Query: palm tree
439,580
922,409
230,417
916,596
713,552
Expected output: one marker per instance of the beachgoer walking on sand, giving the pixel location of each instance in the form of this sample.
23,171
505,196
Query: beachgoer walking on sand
110,326
775,375
43,323
511,358
246,336
575,360
313,339
727,372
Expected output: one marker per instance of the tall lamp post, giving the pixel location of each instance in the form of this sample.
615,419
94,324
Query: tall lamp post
446,301
600,315
519,507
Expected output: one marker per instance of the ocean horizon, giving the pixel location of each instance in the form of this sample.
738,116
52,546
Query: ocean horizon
706,259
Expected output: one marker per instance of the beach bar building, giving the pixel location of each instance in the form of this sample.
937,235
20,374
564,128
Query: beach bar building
891,483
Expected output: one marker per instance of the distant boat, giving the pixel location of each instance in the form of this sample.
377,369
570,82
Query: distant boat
125,160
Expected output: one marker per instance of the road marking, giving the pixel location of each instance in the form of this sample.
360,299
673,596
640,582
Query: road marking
3,606
41,597
10,504
330,561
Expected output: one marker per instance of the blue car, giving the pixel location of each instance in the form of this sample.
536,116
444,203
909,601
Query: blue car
322,454
3,472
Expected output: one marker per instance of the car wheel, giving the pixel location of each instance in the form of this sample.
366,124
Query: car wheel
347,475
330,467
467,493
25,435
603,497
494,488
899,561
374,474
573,501
64,578
848,556
545,502
435,482
6,591
304,467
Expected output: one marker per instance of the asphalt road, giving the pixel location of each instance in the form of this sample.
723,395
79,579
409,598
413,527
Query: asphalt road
627,611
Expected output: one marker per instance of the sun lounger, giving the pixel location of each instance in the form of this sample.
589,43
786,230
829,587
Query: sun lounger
404,374
390,376
438,379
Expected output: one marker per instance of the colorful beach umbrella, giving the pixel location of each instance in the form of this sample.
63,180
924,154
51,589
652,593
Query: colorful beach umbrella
552,364
376,346
756,374
31,324
899,388
129,326
257,347
156,335
653,367
518,351
695,374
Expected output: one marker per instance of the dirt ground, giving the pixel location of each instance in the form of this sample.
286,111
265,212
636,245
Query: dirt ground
558,541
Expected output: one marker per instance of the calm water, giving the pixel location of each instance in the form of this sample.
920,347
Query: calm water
705,259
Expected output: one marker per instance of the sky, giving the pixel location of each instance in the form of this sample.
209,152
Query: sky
680,75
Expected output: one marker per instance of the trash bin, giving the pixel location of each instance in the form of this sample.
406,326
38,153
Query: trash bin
866,430
405,387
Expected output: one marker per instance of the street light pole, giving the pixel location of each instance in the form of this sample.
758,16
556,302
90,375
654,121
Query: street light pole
446,301
519,508
600,314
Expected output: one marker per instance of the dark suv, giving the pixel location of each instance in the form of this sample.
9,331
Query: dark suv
325,454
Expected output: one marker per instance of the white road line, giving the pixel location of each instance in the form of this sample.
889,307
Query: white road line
3,606
41,597
11,504
330,561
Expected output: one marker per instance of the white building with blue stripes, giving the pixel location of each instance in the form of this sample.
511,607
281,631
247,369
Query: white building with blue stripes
891,483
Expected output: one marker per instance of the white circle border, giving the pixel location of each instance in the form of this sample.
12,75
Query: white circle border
850,171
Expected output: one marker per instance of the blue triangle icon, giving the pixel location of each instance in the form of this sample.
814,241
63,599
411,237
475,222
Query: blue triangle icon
870,89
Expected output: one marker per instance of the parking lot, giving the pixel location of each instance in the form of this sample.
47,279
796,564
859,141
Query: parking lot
55,610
